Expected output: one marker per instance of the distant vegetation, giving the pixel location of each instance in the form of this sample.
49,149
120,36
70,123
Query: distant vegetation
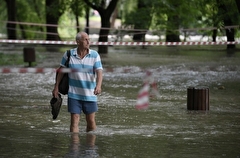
11,59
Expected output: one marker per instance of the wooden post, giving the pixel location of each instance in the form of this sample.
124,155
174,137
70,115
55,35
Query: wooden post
198,98
29,55
190,103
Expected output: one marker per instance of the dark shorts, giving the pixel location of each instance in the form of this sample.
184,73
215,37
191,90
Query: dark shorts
77,106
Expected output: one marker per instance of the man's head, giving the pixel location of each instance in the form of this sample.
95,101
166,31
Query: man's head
82,40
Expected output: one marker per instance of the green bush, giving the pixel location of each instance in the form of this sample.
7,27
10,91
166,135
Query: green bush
11,59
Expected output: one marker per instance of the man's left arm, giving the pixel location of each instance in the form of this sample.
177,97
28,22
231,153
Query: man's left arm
99,79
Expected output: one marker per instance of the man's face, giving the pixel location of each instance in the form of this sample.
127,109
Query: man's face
84,42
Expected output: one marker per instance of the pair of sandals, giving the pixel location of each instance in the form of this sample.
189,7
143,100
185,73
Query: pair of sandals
56,104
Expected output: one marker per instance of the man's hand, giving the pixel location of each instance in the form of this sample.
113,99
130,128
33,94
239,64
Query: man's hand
55,92
97,91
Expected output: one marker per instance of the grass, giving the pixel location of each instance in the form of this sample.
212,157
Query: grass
150,56
16,59
155,56
11,59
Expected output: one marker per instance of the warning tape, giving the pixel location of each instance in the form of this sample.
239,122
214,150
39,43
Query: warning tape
63,70
41,70
118,43
144,92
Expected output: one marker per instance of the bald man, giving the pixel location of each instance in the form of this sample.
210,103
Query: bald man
84,85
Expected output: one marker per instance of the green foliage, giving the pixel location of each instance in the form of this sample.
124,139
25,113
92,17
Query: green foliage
101,3
58,7
190,14
77,7
212,15
30,11
66,23
187,15
127,6
3,16
154,16
11,59
141,16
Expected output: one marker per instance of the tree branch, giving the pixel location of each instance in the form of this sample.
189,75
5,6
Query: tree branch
91,5
112,5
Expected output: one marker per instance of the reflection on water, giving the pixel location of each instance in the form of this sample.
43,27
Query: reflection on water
78,150
166,129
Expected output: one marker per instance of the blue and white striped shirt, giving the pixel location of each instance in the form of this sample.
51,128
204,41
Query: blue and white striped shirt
82,83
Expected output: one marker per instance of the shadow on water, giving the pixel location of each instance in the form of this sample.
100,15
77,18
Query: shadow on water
166,129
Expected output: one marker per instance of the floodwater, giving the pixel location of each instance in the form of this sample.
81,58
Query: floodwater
165,129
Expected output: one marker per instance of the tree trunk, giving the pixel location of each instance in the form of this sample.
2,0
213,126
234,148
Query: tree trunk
87,20
77,23
105,21
52,31
103,34
11,28
230,32
24,36
238,5
139,36
172,34
140,32
214,35
114,17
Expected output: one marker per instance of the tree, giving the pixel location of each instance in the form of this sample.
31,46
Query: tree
54,10
77,8
30,11
179,16
170,16
87,9
173,24
26,11
227,10
238,5
209,17
11,27
140,18
105,11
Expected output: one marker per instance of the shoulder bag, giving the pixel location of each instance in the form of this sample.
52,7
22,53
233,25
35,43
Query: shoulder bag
64,85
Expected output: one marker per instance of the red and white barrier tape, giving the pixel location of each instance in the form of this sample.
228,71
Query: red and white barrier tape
143,98
143,94
118,43
41,70
64,70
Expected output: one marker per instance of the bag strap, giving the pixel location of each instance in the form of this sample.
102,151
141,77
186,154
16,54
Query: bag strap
68,55
66,63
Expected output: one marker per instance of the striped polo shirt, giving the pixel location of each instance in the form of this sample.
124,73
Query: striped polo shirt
83,83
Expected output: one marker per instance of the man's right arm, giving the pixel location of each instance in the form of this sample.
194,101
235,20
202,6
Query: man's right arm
57,81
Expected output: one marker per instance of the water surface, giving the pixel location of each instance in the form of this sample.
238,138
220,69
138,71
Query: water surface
166,129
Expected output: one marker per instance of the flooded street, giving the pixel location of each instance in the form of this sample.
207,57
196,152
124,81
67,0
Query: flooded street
165,129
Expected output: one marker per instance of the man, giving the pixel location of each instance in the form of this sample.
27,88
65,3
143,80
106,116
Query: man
83,85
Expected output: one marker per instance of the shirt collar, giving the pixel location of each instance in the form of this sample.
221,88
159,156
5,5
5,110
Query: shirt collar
75,51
